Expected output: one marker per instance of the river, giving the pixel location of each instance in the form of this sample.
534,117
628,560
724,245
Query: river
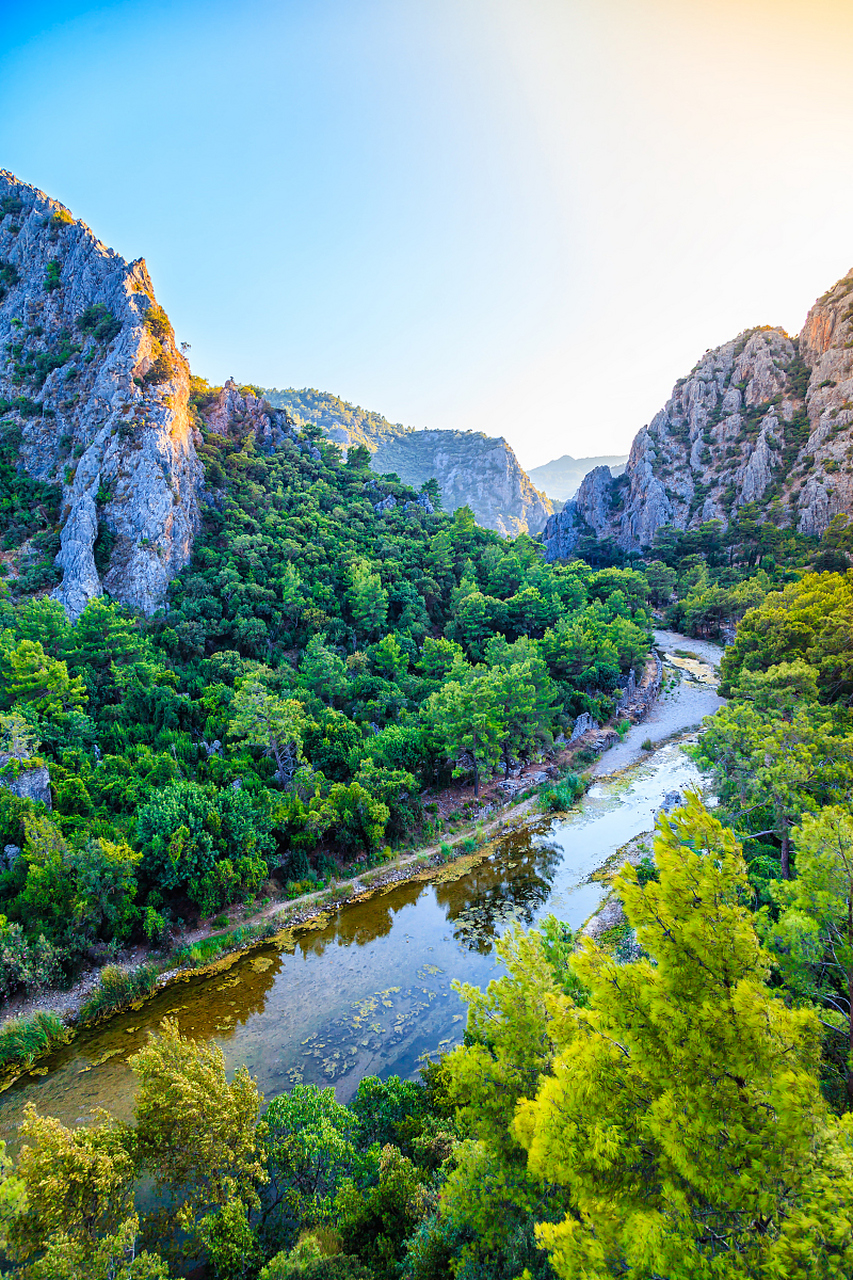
370,992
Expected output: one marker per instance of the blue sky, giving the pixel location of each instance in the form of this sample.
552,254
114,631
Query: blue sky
527,217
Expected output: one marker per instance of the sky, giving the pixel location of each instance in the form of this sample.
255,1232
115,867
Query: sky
522,217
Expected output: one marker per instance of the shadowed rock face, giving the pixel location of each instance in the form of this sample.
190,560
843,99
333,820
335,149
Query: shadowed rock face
472,469
91,374
764,419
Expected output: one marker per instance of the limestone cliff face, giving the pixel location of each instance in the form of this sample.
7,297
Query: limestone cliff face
92,377
763,419
472,469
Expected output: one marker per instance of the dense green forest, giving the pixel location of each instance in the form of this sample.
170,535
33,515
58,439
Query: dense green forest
335,649
674,1102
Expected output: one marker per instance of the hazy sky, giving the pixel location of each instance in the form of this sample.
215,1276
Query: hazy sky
526,217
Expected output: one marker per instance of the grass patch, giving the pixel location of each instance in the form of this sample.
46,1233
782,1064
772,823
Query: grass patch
117,989
208,949
24,1039
646,744
559,796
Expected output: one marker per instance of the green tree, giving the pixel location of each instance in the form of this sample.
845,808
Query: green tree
79,1219
310,1149
683,1115
368,599
32,677
195,1133
276,724
812,941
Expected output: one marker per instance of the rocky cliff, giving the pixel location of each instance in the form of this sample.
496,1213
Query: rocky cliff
472,469
95,390
765,419
562,478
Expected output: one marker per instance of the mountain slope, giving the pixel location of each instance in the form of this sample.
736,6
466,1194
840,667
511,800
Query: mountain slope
764,420
94,399
472,469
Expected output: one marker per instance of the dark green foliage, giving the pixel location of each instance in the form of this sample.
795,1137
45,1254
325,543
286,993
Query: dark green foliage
23,1040
53,276
100,322
9,277
27,506
118,988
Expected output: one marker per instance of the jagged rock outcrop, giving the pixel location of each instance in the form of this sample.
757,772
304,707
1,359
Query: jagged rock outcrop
562,478
92,378
236,409
764,419
30,784
472,469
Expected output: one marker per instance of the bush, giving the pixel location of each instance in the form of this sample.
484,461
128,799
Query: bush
25,1039
118,988
561,795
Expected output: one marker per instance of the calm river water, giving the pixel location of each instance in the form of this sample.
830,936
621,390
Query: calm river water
370,993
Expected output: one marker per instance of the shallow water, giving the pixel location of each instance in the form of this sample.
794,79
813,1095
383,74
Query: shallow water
370,992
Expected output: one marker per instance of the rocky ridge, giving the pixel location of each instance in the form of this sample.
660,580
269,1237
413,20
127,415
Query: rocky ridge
471,468
95,389
562,477
764,419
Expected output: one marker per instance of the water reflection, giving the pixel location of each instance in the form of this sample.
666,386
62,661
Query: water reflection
369,992
511,887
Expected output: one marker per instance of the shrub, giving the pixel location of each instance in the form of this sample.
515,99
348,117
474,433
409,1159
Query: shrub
562,795
646,744
118,988
52,276
25,1039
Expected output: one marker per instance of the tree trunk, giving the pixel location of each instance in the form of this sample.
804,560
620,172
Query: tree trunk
786,852
476,774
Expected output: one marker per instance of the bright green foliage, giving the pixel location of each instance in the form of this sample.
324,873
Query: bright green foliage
264,720
30,676
13,1196
683,1117
368,600
775,756
509,1048
812,941
810,620
354,817
310,1150
78,1185
17,736
195,1132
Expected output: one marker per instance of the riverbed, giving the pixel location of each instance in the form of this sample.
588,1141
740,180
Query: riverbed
369,992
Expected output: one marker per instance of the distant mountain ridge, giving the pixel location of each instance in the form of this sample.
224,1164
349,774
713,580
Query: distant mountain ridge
562,478
472,469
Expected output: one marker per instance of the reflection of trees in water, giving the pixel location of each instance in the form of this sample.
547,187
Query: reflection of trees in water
231,998
511,886
361,922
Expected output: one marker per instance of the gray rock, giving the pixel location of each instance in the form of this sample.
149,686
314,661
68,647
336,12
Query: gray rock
724,439
30,784
582,725
11,854
121,400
